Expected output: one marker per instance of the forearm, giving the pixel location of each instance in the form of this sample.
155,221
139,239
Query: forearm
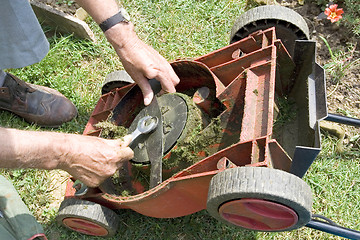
89,159
28,149
141,61
100,10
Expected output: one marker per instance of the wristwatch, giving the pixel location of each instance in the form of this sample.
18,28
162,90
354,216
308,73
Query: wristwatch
121,16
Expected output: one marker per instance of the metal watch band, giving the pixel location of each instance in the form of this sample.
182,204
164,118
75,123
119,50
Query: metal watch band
110,22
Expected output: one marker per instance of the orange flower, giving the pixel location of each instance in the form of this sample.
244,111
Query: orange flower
334,13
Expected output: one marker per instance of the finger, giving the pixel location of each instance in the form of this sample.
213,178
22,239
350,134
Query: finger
168,78
146,90
148,97
173,77
125,141
166,84
162,92
126,154
90,181
164,66
167,75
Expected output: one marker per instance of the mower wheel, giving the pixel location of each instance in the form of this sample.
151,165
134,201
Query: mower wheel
87,217
117,79
259,198
289,25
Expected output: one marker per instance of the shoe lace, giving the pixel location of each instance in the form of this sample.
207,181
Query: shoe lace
21,89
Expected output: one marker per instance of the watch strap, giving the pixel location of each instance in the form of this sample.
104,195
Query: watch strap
111,21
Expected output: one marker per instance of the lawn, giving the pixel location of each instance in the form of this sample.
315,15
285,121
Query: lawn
177,29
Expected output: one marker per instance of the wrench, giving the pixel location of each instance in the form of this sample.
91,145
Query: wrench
145,125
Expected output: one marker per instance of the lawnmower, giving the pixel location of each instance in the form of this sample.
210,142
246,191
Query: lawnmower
236,139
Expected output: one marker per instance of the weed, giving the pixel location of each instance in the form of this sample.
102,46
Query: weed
340,62
352,16
286,111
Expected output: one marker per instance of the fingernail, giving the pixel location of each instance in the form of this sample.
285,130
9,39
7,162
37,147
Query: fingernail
147,101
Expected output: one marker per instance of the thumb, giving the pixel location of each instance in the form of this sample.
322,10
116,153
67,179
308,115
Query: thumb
148,97
125,141
146,90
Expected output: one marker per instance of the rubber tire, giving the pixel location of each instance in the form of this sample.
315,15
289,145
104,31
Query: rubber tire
260,183
90,211
117,79
289,25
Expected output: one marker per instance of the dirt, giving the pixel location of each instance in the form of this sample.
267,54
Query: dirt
66,6
343,95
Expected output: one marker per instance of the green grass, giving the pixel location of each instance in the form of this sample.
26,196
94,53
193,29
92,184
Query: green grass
177,29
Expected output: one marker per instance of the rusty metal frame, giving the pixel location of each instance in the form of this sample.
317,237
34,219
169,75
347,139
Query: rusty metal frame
247,76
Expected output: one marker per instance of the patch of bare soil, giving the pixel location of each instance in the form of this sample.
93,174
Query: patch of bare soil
343,96
65,6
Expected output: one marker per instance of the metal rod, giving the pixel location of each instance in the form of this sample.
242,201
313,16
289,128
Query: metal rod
342,119
333,229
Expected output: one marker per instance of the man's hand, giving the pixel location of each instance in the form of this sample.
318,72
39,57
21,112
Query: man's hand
141,61
89,159
92,160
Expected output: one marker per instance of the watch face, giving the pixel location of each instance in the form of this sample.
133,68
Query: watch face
125,14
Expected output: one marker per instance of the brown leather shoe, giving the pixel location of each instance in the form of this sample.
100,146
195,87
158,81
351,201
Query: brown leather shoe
36,104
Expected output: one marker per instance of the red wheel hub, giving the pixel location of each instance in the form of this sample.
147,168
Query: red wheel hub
85,226
258,214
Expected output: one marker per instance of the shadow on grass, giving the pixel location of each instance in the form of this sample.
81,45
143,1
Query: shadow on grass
136,226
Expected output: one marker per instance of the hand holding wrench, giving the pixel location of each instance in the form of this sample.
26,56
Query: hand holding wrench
145,125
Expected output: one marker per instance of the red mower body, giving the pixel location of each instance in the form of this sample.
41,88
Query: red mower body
245,76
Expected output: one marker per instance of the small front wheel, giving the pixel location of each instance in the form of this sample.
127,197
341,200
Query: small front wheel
117,79
87,217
